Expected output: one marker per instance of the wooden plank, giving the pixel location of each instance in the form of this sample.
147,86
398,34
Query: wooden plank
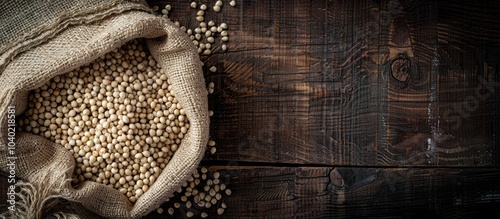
320,192
476,28
317,82
266,192
377,83
429,113
323,192
416,193
447,74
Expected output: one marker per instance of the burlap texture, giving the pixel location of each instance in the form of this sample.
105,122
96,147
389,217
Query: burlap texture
61,43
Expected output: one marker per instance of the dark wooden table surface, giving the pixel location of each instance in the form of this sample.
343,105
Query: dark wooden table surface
355,109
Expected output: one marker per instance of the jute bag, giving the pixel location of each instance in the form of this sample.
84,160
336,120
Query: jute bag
40,39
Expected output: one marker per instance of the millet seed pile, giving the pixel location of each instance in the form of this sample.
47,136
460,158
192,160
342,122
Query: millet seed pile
118,116
205,34
203,193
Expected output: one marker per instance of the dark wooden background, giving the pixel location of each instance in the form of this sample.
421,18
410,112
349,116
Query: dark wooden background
356,109
309,95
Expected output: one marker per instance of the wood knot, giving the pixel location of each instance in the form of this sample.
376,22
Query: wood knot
400,69
336,179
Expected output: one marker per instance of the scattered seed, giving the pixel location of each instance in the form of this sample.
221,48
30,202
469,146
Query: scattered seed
203,37
201,203
211,143
220,211
212,192
197,199
208,198
208,33
204,215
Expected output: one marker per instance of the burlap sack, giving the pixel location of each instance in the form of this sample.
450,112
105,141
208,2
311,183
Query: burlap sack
40,39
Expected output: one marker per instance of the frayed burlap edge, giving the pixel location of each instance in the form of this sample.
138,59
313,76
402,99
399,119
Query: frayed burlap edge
169,46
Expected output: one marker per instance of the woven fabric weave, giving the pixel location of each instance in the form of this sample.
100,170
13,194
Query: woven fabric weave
36,52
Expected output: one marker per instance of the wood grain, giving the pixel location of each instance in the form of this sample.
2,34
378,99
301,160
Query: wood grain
317,82
355,109
322,192
434,193
315,192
